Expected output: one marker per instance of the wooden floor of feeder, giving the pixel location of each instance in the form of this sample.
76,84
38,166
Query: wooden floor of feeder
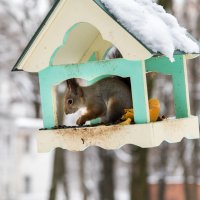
114,137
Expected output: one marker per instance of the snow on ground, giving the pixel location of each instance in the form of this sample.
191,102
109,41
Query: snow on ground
150,24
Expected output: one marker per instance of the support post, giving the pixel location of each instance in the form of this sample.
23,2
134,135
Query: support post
139,93
178,71
48,101
180,90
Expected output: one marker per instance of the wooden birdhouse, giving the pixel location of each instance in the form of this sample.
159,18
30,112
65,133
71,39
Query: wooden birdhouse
72,42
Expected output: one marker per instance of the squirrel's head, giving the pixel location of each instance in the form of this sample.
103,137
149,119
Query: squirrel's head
74,99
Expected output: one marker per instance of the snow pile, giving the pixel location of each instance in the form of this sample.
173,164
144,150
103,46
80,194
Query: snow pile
151,25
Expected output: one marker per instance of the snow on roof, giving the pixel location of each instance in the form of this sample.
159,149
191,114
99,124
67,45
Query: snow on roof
150,24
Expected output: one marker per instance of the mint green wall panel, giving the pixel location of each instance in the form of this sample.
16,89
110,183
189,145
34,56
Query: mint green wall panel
178,72
54,75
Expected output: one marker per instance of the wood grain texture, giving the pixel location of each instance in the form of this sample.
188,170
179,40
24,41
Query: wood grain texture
114,137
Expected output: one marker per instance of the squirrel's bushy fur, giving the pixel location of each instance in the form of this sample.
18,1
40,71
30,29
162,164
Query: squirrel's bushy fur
106,99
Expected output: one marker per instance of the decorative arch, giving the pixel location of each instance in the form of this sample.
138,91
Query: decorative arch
79,44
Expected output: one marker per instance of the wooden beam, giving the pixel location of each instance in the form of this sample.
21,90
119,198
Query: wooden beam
114,137
178,71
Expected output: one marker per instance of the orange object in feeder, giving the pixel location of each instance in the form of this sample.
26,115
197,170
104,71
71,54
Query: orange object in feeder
154,111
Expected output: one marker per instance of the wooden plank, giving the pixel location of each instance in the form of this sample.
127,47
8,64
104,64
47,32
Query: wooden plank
98,45
178,71
54,75
114,137
90,71
180,90
139,93
163,65
48,102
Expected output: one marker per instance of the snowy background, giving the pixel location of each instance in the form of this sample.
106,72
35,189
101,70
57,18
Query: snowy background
169,172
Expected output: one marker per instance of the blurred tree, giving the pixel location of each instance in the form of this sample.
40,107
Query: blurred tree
19,19
192,22
59,175
164,147
167,4
13,43
83,176
106,183
52,2
138,184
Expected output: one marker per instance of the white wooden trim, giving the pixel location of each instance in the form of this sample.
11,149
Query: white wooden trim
186,86
191,56
68,13
99,46
145,91
54,96
114,137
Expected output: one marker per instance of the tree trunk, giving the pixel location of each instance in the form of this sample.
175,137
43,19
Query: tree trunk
139,184
185,170
59,168
82,176
195,104
58,174
106,184
163,169
194,77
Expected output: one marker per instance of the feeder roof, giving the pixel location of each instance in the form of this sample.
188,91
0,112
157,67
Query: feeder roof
130,33
149,23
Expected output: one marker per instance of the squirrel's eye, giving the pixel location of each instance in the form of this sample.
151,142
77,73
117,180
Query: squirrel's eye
70,101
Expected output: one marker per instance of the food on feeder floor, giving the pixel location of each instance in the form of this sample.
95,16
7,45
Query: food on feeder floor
128,114
154,110
126,122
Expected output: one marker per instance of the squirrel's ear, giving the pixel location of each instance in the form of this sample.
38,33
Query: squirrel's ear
80,92
72,85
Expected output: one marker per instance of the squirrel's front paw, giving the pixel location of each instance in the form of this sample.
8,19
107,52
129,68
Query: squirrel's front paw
80,121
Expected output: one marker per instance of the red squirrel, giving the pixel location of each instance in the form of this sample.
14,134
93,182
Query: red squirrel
106,99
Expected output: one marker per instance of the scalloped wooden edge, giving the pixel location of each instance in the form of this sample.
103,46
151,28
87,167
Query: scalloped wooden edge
116,136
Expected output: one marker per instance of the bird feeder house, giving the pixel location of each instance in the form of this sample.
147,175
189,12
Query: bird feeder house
72,42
